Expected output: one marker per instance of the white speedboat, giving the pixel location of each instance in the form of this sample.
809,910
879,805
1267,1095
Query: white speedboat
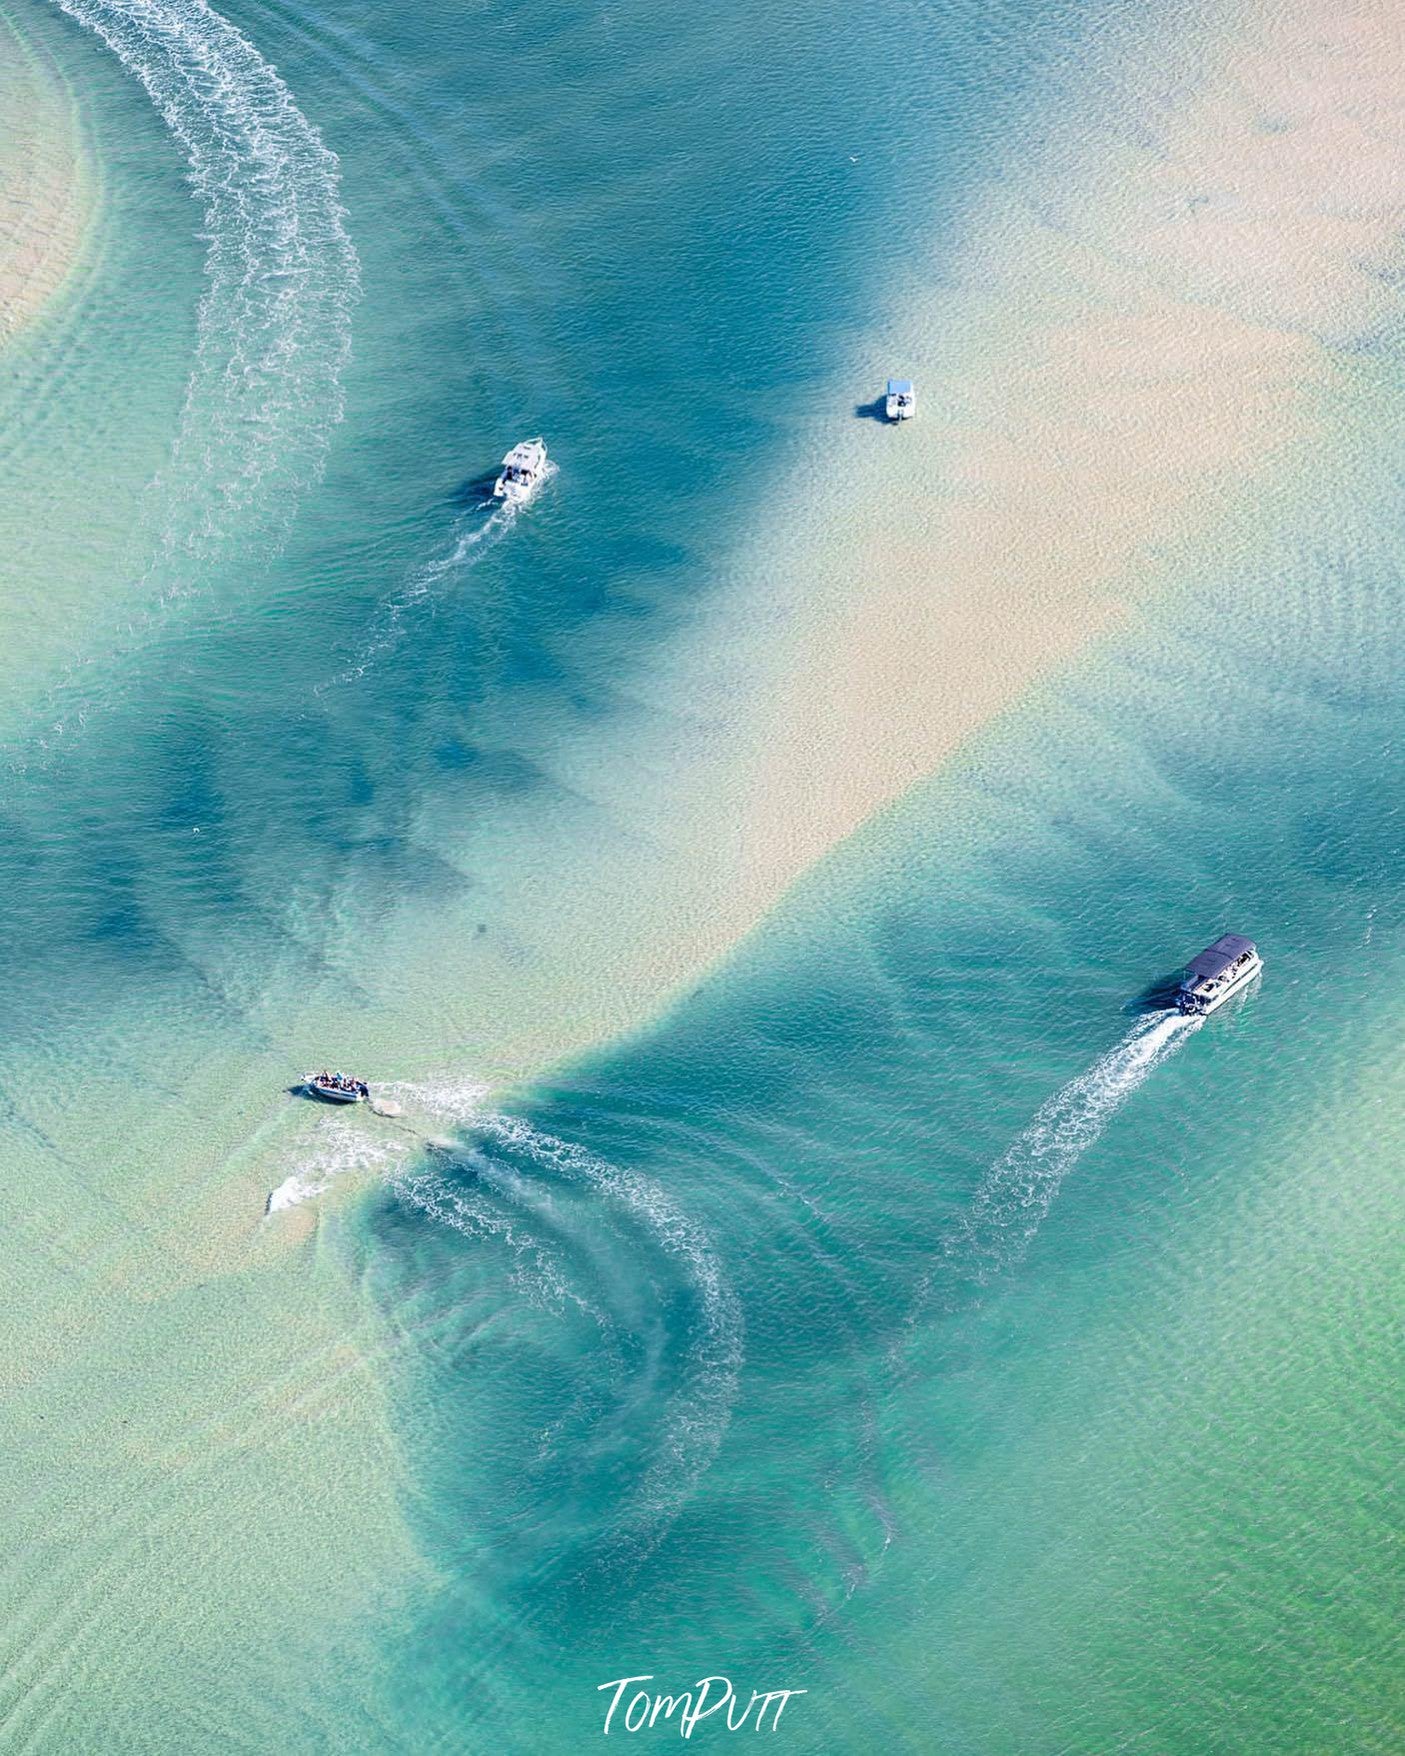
522,472
902,399
336,1088
1221,970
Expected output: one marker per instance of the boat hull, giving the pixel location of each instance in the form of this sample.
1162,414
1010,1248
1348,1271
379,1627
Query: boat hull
1199,1006
331,1094
528,460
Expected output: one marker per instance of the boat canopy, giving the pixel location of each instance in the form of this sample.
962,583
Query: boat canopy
1217,958
899,387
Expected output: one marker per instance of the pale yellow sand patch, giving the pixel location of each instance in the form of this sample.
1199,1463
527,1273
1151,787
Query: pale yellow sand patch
45,188
1139,338
1145,329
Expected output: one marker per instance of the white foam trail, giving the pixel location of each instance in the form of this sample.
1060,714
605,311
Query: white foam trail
341,1146
472,537
464,1209
1019,1189
338,1148
274,324
700,1410
448,1100
387,631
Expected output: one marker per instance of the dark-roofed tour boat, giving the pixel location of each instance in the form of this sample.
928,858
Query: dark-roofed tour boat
1222,969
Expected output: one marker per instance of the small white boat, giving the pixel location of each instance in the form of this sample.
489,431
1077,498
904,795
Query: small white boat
336,1088
902,399
1221,970
522,472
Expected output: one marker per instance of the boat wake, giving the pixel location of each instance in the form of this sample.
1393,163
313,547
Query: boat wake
472,538
1019,1189
338,1148
490,1210
699,1409
507,1199
281,276
445,1100
342,1145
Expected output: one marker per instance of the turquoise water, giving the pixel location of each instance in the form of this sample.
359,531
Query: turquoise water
1006,1440
898,1312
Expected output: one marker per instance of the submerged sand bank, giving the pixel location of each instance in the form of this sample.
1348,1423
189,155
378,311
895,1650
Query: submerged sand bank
1145,321
1145,329
1143,336
45,194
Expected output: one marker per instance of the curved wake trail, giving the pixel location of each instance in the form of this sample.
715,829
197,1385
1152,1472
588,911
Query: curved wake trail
1020,1187
700,1408
274,324
501,1205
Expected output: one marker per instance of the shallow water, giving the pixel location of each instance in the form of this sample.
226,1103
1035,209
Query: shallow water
1064,1334
894,1311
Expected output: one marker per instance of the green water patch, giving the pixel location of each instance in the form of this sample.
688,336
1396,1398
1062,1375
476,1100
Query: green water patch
1057,1422
677,1359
